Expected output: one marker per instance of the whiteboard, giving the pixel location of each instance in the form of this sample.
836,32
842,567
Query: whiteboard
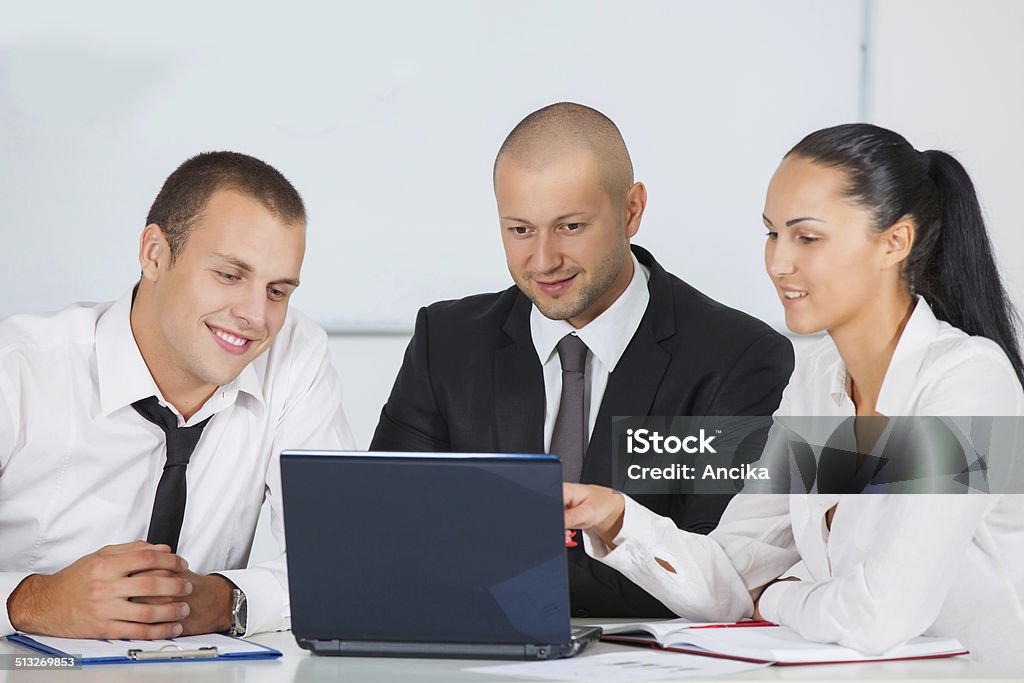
386,116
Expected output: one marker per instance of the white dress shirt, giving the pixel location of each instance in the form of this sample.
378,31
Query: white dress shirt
79,467
606,337
891,567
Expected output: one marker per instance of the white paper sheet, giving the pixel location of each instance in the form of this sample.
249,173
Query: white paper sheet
622,667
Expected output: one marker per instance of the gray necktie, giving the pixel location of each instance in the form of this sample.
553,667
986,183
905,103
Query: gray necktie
570,431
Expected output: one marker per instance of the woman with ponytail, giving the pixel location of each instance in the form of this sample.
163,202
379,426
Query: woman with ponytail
884,248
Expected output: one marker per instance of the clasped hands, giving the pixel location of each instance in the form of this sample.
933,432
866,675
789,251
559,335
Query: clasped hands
132,590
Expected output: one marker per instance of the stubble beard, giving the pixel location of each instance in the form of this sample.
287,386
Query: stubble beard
604,276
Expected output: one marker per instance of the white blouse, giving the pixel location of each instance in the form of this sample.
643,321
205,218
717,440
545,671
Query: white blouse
892,567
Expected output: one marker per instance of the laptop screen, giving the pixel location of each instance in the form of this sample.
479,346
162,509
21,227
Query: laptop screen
443,548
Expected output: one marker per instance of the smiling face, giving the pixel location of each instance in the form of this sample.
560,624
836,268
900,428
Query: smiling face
566,241
202,319
829,266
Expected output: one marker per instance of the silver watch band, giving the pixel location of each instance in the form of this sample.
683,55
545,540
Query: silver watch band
239,612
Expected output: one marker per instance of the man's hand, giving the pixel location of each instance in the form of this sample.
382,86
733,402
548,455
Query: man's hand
594,507
209,601
92,597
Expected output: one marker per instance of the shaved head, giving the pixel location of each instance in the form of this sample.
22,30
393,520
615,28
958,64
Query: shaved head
563,130
567,207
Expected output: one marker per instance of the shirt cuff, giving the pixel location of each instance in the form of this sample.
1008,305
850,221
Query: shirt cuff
639,527
266,600
8,582
769,604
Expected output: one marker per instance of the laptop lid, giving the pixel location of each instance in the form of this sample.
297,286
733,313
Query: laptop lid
425,548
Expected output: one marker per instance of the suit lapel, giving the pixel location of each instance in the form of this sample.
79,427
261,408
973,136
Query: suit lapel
631,390
519,387
633,386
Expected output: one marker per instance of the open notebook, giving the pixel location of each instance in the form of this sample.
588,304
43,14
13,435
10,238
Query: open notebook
760,641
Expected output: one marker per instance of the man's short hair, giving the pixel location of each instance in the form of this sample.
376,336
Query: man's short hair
186,191
557,129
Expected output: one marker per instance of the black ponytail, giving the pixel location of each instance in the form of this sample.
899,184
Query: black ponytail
951,263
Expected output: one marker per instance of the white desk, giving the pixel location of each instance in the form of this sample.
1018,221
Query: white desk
298,665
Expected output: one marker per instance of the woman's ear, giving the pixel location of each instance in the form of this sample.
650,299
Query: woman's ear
898,241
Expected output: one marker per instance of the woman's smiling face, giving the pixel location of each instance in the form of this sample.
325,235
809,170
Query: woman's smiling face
823,254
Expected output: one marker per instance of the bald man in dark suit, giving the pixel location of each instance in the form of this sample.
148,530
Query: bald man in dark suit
488,373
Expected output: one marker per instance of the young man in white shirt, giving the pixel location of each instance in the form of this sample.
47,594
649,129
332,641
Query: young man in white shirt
205,338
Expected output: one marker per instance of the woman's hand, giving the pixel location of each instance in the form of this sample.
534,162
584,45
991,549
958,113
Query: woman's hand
594,507
757,606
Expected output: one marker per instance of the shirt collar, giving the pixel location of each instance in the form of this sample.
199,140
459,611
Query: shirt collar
123,377
840,389
607,335
904,367
906,361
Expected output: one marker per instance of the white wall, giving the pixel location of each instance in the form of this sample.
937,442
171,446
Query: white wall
387,115
949,75
368,365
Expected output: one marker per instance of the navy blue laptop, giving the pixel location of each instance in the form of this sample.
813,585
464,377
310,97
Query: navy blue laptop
428,555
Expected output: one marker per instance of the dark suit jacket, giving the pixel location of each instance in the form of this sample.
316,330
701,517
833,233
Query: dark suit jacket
471,382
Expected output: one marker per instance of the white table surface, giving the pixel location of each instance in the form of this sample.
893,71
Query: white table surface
299,665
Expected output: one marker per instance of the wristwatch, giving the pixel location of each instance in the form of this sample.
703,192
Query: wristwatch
239,613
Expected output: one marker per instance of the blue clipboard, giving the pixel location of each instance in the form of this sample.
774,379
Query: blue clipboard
212,647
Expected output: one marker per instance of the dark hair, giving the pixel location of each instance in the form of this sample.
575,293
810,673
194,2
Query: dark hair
185,192
950,263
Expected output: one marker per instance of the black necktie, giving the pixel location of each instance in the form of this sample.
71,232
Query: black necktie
169,504
570,430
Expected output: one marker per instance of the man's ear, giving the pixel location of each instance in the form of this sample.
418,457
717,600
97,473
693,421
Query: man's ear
898,241
154,252
633,207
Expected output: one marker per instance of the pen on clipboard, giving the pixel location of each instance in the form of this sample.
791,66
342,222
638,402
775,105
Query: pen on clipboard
174,653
